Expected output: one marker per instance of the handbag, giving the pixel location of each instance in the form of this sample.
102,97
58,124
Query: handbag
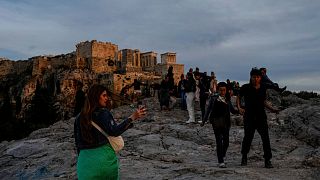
116,142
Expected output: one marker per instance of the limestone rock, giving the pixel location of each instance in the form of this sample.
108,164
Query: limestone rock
303,122
163,146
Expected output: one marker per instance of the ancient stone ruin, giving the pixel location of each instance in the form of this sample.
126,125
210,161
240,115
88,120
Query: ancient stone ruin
92,62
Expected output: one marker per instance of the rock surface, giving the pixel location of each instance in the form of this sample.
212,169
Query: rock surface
162,146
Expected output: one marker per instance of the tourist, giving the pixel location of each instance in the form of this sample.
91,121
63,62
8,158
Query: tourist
190,88
164,94
218,112
213,84
204,92
79,99
96,157
182,92
268,83
172,88
255,117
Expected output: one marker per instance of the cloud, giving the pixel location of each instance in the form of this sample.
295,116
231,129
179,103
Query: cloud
228,37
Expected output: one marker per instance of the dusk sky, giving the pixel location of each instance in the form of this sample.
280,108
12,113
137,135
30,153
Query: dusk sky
228,37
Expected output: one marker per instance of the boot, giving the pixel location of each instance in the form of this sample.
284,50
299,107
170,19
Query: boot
244,160
267,164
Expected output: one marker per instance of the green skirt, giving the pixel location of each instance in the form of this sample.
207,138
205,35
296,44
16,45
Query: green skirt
98,163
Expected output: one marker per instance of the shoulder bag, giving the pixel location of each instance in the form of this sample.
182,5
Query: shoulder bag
116,142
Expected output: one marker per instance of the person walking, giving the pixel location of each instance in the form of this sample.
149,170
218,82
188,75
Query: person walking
96,157
255,117
190,88
218,112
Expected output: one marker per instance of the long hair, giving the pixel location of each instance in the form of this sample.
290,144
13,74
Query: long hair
90,104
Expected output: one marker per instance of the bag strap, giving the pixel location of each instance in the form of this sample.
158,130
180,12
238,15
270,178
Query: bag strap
99,129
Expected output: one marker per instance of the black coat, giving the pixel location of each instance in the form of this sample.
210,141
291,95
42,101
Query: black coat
218,109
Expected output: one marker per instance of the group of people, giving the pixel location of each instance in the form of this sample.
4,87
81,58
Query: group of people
254,117
96,157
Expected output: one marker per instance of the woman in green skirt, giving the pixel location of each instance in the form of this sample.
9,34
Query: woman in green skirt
96,157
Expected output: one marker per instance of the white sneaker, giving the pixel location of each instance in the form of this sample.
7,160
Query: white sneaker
222,165
190,121
199,122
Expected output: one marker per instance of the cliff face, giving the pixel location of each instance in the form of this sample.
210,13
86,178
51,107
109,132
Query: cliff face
57,79
163,146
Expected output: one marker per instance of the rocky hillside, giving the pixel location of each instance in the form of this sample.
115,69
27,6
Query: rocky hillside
162,146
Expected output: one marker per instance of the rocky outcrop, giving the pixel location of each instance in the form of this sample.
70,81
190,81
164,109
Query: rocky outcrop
163,146
303,122
46,154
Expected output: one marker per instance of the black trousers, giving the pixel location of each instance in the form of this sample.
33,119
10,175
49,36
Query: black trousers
203,99
249,130
222,141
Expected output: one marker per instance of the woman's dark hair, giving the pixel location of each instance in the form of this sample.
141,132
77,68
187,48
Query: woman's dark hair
90,104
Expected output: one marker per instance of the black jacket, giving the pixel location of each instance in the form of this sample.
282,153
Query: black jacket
104,119
217,109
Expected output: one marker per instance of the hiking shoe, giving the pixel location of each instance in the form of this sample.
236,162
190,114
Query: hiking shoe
222,165
244,161
190,121
267,164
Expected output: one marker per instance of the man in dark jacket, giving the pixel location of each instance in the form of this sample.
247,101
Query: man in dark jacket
255,117
182,92
218,111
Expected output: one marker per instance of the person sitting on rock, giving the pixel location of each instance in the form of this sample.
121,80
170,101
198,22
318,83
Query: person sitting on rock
218,112
268,83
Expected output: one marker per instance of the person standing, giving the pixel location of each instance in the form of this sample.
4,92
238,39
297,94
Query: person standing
255,117
218,112
79,100
204,93
96,157
182,92
213,84
164,94
190,88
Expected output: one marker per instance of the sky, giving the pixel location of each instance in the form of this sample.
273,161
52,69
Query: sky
228,37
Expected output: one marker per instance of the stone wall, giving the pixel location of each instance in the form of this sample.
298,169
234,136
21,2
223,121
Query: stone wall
178,69
121,80
83,53
99,57
40,64
22,66
14,67
6,67
64,60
